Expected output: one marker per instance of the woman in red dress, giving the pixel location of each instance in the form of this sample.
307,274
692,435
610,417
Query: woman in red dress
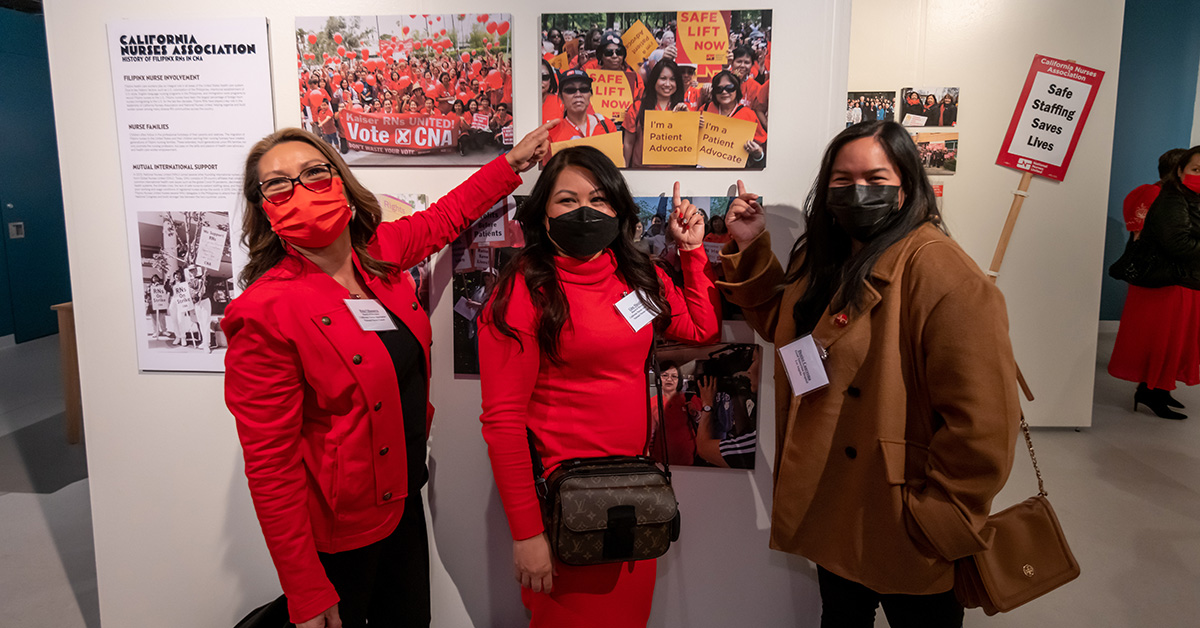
558,359
1158,342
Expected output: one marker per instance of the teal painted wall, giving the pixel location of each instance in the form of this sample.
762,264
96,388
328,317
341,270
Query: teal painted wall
1160,59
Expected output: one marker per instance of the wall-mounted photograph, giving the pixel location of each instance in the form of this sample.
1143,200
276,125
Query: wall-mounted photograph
929,106
678,89
408,90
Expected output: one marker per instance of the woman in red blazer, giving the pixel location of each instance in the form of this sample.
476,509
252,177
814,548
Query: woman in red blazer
558,359
327,374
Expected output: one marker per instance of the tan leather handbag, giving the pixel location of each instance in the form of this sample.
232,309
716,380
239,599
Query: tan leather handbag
1028,555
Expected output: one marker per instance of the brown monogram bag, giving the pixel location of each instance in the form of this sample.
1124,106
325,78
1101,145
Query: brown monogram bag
609,509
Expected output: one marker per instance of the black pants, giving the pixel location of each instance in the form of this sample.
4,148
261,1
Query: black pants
848,604
386,582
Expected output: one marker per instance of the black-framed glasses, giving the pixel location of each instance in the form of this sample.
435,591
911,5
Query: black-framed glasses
279,190
612,52
727,88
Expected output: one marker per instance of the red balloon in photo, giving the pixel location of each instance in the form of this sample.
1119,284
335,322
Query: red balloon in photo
357,108
366,54
483,18
495,79
491,27
358,87
476,65
502,28
312,39
337,38
466,56
404,30
371,79
489,45
341,51
404,82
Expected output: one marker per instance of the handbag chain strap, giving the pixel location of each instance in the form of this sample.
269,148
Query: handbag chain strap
1032,456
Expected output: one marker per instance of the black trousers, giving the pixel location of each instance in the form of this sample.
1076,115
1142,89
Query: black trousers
386,582
848,604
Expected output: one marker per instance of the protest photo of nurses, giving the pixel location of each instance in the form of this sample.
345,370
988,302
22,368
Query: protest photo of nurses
929,106
678,89
411,90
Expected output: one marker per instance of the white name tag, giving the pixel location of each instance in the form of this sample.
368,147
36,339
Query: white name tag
370,314
802,361
634,311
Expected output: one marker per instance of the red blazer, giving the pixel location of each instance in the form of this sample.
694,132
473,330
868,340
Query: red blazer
316,398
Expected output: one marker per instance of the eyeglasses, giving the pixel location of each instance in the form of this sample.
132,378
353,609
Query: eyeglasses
668,376
571,91
612,52
279,190
546,77
725,89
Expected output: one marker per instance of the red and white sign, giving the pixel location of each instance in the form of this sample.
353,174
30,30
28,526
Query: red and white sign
1050,115
398,133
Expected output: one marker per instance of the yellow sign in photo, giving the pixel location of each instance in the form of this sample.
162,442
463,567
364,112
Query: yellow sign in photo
608,143
611,93
703,37
639,43
669,138
560,62
723,141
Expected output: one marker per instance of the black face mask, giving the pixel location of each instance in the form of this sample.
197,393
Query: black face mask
584,232
861,209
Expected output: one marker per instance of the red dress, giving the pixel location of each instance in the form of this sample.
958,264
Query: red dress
593,403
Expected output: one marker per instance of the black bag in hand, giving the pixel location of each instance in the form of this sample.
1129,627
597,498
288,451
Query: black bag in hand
1142,265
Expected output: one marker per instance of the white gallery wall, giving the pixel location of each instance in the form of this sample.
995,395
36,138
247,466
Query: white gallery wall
1051,273
177,543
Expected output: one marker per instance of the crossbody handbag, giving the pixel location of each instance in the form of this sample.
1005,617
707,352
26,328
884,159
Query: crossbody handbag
1142,265
610,509
1027,553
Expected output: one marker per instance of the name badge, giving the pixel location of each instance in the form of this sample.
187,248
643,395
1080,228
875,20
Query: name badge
370,314
635,313
802,360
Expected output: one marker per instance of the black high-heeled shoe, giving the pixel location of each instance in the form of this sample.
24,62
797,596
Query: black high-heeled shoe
1155,399
1171,401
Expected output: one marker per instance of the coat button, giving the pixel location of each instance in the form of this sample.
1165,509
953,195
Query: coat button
387,496
383,452
851,453
415,306
378,405
325,320
852,391
841,320
357,359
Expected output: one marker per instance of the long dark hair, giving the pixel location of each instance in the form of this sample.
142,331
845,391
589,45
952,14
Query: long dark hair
822,255
536,261
650,98
265,248
1181,162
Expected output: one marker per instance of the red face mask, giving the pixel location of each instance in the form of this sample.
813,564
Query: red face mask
311,219
1192,182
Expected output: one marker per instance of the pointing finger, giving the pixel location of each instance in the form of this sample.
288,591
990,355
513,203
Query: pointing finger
741,188
675,196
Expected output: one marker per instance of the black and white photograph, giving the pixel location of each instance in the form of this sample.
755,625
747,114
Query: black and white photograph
867,106
187,280
929,106
710,405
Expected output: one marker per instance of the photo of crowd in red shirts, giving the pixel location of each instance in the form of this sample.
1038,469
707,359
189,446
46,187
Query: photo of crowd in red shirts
413,90
602,73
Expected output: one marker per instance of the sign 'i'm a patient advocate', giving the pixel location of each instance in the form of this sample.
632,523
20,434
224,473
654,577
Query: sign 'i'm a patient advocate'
1049,118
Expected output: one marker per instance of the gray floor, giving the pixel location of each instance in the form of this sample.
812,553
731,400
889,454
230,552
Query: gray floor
1125,491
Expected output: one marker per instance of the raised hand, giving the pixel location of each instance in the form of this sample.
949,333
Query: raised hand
532,148
745,219
685,223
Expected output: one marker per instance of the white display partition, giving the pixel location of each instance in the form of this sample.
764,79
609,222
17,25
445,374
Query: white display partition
1051,273
177,543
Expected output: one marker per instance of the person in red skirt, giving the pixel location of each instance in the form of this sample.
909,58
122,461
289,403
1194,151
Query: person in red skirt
1138,201
559,359
1158,342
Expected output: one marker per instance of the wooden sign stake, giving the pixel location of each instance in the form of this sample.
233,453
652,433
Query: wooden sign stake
993,271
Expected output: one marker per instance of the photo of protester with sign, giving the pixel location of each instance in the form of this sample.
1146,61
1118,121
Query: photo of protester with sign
479,254
710,405
678,89
929,106
412,90
866,106
187,280
939,152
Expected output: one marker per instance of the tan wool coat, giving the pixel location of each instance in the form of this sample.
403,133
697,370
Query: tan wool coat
887,475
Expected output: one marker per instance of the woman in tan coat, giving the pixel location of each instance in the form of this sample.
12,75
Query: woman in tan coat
885,476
